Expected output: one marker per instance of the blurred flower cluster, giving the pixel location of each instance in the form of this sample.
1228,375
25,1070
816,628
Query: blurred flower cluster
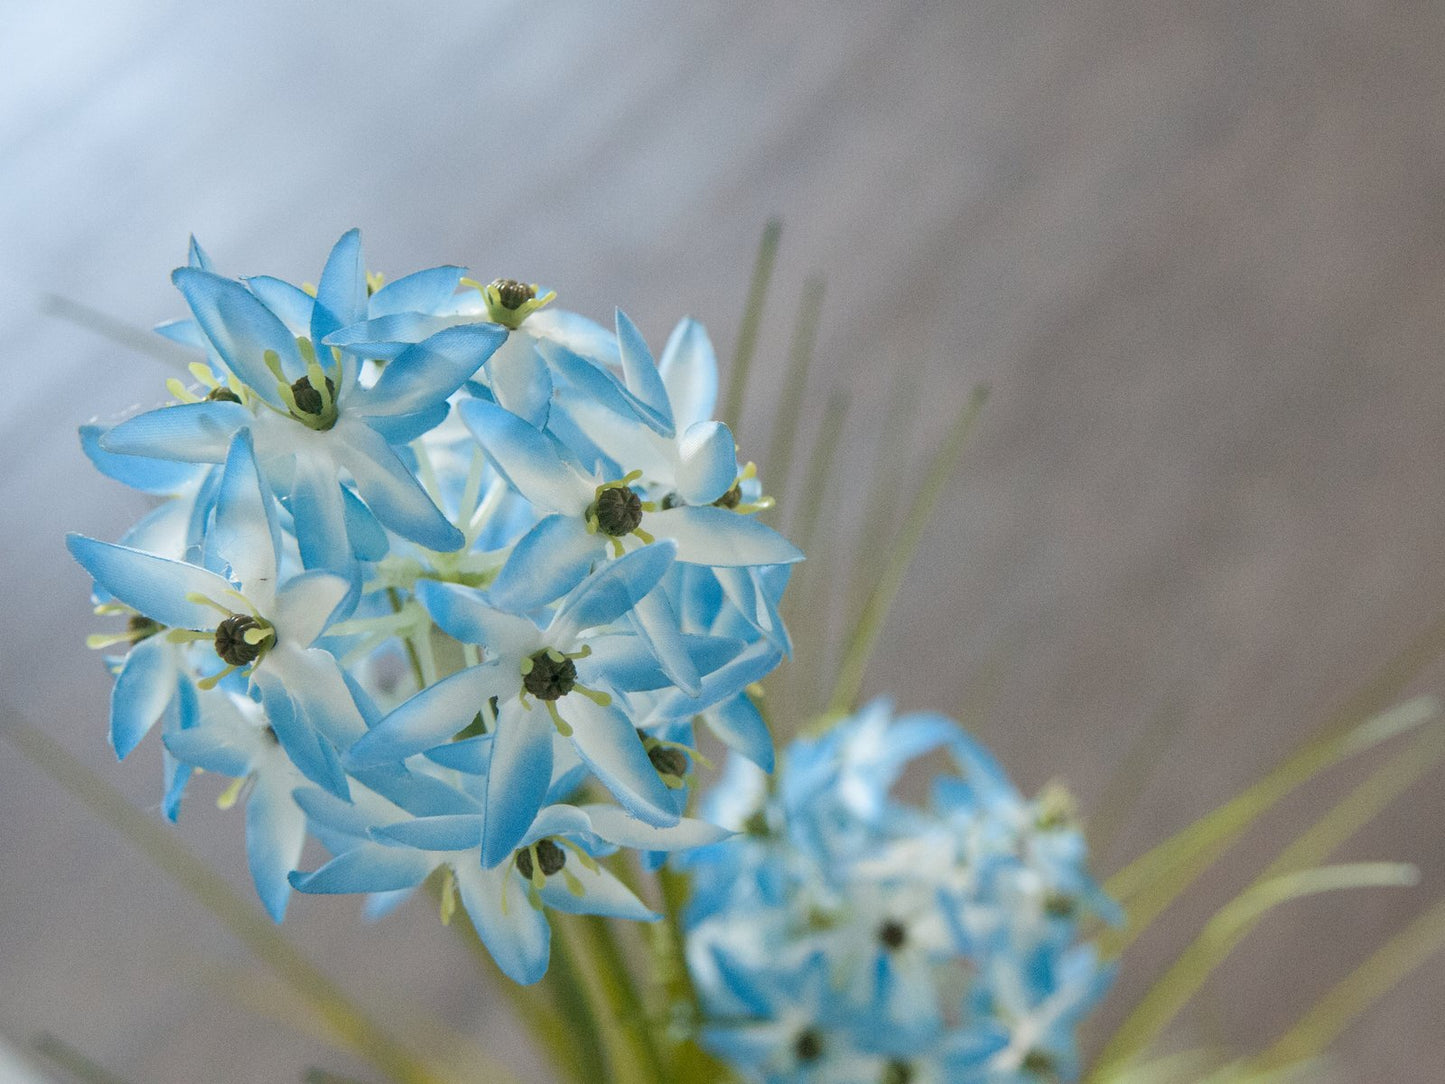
852,937
432,559
449,580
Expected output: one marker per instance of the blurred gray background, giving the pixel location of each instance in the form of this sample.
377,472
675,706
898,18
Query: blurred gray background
1196,249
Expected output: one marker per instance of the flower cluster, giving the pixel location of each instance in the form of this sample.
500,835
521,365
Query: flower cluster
856,939
443,577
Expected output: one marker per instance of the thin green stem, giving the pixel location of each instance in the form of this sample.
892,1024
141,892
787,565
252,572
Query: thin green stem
1131,777
682,1009
751,323
118,331
585,982
66,1057
393,598
783,442
567,983
1220,936
890,462
353,1026
820,466
1152,882
552,1026
1193,967
865,635
1390,965
629,1012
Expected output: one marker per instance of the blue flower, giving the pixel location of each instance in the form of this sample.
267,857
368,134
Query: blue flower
877,937
592,517
252,624
554,865
538,341
566,680
233,738
314,421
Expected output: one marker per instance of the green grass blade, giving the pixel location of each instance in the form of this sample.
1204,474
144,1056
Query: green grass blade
1151,883
1386,685
809,511
1185,1067
357,1030
318,1075
891,456
681,1010
71,1061
859,646
1173,990
585,979
1129,780
1312,1071
1345,1002
751,323
118,331
783,442
1221,935
561,1029
806,601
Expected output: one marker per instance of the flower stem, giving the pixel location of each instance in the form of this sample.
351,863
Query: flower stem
752,322
875,611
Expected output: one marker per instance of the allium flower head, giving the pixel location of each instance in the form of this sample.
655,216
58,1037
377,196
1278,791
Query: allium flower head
847,935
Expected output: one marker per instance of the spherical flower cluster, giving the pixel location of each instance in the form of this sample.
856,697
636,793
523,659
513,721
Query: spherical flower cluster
443,577
853,938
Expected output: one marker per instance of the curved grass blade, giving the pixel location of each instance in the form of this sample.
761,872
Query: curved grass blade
1385,685
1390,965
318,1075
117,331
565,1030
1311,1071
752,321
1173,990
70,1060
1131,777
804,523
1222,934
859,646
1152,882
358,1031
1185,1067
783,442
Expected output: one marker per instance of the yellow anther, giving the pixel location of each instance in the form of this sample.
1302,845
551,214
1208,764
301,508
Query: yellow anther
597,697
228,797
448,896
560,723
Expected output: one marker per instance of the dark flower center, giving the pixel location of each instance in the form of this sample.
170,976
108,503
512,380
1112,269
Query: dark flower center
1059,905
141,627
231,643
757,824
731,499
892,934
668,761
897,1072
549,679
618,511
308,399
1039,1063
808,1046
513,294
550,858
222,394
